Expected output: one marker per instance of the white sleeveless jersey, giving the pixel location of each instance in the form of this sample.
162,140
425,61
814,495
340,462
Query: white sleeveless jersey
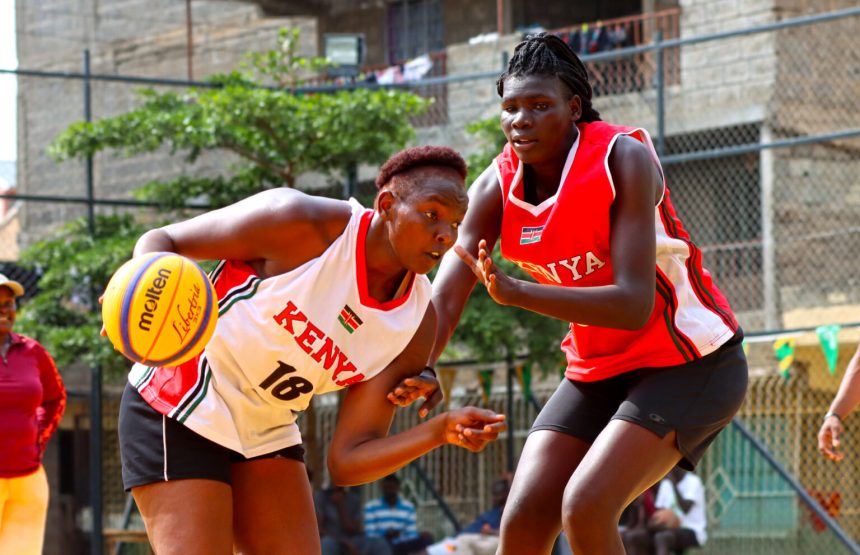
281,340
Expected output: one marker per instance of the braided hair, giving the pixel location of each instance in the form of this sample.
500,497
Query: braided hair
547,54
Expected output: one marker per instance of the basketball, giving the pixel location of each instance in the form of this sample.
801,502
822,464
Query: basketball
159,309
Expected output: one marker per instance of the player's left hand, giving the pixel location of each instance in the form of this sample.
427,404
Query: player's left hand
415,387
500,286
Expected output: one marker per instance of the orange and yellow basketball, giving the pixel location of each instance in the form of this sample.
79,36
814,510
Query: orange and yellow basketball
159,309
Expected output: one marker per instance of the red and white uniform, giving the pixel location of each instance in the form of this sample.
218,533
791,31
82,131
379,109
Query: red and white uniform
281,340
565,241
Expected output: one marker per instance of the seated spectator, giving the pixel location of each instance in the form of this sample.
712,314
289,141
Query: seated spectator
339,518
638,513
393,518
678,521
481,537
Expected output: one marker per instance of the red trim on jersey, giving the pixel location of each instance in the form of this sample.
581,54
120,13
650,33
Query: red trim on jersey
665,284
695,269
361,271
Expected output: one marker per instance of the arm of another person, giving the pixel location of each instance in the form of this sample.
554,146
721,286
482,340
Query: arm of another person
362,451
626,303
281,227
683,503
53,398
455,281
846,400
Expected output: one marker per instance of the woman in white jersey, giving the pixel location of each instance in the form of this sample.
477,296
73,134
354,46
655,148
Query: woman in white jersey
314,295
655,367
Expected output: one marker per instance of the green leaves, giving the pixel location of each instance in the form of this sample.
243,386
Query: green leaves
273,129
75,270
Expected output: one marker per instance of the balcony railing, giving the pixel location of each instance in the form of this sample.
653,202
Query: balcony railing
631,73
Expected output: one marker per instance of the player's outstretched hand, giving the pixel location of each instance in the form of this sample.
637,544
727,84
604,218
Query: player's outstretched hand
500,286
473,428
828,438
415,387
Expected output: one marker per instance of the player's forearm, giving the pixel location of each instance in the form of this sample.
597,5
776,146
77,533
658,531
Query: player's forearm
610,306
451,290
848,396
369,459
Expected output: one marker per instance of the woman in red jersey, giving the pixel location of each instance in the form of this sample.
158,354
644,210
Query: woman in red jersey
655,367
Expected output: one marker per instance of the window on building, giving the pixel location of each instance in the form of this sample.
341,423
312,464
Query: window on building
414,28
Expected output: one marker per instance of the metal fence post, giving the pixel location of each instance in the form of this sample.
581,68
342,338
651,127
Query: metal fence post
510,411
660,85
96,371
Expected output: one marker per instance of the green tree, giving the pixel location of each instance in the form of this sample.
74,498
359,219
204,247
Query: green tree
488,331
274,134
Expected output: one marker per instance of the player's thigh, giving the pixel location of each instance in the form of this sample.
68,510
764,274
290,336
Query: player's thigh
623,461
532,517
187,517
273,509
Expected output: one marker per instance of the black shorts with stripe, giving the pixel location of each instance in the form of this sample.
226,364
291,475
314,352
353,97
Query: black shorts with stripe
696,399
155,448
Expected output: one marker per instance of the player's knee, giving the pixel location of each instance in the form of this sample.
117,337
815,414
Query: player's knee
584,508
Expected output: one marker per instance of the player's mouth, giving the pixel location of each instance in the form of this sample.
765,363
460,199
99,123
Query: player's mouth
435,255
523,143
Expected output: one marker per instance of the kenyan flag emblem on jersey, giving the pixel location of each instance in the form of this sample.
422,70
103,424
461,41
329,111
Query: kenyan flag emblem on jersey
530,235
349,319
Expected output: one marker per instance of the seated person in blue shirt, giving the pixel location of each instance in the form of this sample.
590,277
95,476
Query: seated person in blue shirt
393,518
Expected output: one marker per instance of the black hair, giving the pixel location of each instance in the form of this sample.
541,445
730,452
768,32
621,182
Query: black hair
421,156
392,478
547,54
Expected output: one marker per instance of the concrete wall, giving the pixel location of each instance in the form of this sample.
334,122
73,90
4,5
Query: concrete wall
128,37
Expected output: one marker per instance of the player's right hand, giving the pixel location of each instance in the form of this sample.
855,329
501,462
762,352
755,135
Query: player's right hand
473,428
501,287
829,438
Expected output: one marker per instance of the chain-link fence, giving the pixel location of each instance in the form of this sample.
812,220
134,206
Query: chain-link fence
759,132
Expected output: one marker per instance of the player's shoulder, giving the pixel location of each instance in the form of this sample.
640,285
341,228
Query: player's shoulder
294,208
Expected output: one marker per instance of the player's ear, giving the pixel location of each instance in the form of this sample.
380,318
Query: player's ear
384,201
575,104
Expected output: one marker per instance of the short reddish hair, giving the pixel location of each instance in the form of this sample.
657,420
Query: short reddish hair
421,156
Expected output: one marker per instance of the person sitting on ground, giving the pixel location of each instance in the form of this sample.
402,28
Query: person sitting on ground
341,529
679,519
395,519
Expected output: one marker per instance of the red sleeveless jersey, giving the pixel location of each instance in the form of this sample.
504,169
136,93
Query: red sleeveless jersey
565,241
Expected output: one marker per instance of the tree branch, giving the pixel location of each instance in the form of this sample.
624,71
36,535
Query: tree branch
262,162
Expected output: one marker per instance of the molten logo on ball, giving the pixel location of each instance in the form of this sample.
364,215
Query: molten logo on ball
159,309
152,296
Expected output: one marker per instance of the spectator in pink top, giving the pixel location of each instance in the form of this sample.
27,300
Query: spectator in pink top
32,400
